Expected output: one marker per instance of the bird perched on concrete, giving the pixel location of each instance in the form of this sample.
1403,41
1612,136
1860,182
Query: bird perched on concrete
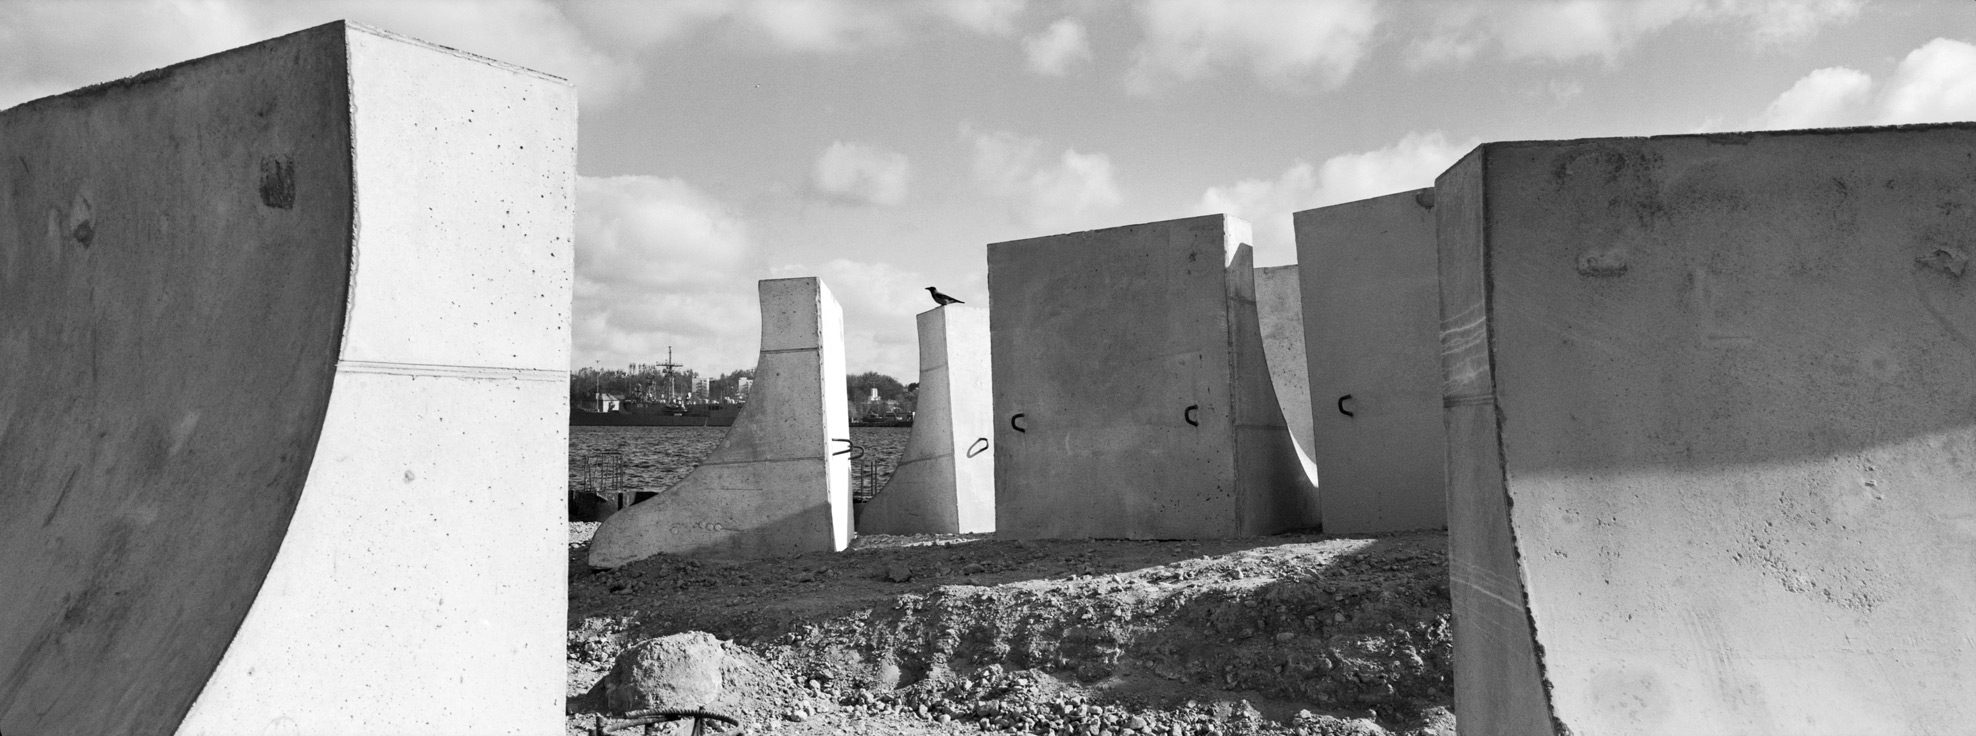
942,299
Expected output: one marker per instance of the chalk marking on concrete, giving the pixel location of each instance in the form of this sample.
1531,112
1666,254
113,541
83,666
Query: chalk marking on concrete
450,371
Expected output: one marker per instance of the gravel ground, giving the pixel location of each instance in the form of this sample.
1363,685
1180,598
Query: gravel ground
950,634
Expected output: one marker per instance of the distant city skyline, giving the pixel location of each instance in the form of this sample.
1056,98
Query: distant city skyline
881,145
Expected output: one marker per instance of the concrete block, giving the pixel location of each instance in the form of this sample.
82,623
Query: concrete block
1712,420
282,417
945,481
1132,398
1372,326
779,483
1280,313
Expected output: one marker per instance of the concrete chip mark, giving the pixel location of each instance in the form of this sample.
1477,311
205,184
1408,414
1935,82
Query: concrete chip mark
1603,262
1951,262
82,221
278,182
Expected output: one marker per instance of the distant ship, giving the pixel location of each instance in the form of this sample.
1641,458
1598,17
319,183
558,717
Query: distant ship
655,414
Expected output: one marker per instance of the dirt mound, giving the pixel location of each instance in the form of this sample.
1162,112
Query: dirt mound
1287,634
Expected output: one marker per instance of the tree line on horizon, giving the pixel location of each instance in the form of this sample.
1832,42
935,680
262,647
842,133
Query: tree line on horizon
649,382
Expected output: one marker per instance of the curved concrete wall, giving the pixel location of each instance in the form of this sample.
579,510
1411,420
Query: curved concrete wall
1280,312
945,481
1372,316
1713,420
1102,342
776,485
214,490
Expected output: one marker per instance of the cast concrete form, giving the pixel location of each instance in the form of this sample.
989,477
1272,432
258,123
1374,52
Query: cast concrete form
282,413
1132,399
1280,313
945,482
780,483
1372,330
1710,407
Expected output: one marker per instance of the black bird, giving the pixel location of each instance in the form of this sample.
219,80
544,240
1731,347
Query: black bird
942,299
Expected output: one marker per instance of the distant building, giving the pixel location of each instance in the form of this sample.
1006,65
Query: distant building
600,402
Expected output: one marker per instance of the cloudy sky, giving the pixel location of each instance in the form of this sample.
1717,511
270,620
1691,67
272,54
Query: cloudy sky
881,144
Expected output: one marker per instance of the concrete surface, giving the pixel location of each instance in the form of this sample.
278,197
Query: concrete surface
1132,363
945,480
1372,331
1280,313
777,484
1711,403
240,495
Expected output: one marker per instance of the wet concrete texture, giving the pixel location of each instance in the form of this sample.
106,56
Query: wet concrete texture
1280,313
1132,398
945,481
1710,403
252,375
1372,330
780,483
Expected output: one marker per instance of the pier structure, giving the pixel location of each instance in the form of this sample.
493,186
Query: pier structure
1132,397
284,341
780,483
1711,412
945,481
1371,321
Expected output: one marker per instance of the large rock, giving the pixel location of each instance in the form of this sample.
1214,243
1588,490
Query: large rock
678,671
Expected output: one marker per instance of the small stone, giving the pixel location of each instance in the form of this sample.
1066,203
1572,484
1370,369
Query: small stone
898,573
1285,636
1136,723
795,716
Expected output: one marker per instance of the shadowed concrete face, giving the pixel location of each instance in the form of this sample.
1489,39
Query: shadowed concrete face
1131,394
1280,312
1711,399
252,377
776,485
945,482
1371,319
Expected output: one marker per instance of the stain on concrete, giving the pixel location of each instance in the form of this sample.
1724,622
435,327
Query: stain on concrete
1603,262
278,182
82,221
1950,261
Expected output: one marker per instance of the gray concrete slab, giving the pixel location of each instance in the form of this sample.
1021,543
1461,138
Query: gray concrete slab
1372,333
945,479
1132,397
245,484
778,484
1280,313
1712,412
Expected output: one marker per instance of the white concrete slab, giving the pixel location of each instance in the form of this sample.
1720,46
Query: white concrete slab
1712,401
945,479
1132,397
779,483
1372,327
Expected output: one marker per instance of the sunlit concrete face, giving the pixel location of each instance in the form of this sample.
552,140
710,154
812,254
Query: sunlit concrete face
945,481
778,484
284,338
1280,312
1711,398
1132,399
1371,320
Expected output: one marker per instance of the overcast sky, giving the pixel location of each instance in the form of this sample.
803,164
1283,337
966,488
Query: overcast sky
881,145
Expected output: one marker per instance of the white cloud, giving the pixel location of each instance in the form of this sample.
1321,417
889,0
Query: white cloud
823,25
1282,42
1831,96
1411,163
860,174
990,17
1934,84
1566,30
659,263
1042,190
1052,51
